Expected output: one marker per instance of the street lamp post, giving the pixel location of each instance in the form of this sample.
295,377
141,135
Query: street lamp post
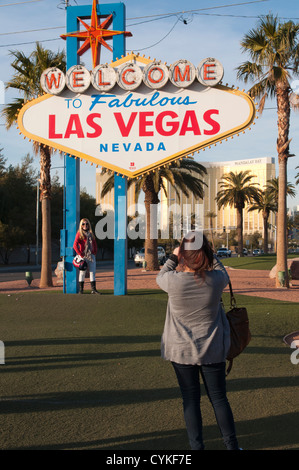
225,231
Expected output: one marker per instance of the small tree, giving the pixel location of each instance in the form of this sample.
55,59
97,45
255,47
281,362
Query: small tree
263,202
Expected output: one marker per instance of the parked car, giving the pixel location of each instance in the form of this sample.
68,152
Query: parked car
139,257
245,251
224,252
257,252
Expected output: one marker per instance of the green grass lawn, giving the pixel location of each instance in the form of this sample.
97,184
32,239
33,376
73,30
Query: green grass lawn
84,372
263,262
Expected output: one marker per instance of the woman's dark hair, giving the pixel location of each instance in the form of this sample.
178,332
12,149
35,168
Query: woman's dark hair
196,252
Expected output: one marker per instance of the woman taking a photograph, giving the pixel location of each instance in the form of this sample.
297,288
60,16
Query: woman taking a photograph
196,335
85,245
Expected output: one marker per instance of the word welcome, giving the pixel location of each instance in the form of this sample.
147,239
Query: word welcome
130,76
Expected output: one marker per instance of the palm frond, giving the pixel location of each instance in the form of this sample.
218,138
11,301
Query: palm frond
10,111
249,71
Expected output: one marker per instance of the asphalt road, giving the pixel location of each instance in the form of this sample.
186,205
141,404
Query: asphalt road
17,273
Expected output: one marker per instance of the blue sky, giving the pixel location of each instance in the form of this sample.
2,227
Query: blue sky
165,30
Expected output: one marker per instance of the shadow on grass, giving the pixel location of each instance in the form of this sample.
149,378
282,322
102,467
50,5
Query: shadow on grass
83,399
274,432
139,339
106,398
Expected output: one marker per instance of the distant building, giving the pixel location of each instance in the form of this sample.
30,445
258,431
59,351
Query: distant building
263,170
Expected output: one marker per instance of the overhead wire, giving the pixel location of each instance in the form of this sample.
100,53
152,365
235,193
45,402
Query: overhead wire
162,39
147,18
19,3
199,9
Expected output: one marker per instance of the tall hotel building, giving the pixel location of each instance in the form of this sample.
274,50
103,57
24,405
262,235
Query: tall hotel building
262,169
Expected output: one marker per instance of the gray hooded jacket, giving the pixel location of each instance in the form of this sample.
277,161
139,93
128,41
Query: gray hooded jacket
196,330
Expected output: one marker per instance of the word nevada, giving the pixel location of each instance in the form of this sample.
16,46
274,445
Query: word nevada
130,76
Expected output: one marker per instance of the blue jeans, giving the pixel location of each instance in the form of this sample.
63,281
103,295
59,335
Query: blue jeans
213,376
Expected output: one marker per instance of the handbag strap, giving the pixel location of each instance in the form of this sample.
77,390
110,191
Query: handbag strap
233,302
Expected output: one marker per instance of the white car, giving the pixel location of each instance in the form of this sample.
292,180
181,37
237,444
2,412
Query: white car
257,252
224,252
139,257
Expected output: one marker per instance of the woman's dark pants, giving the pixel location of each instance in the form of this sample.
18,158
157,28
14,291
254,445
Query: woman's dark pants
213,376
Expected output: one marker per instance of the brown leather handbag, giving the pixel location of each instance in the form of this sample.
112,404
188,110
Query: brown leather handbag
240,335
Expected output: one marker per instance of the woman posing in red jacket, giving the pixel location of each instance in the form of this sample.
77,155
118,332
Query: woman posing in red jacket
85,245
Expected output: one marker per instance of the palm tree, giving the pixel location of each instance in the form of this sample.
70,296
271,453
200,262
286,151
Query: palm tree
263,202
272,187
236,190
274,50
290,225
26,80
182,175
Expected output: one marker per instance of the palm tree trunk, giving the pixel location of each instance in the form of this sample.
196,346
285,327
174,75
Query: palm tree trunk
212,234
265,218
45,196
151,244
281,254
240,229
283,113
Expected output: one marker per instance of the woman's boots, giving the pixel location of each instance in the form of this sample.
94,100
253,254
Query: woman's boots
81,287
93,288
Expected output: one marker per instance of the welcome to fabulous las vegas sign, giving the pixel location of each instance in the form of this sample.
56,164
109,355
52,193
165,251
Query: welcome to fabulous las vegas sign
136,114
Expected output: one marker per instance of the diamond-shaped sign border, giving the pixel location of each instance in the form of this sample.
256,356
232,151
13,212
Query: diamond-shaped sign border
131,174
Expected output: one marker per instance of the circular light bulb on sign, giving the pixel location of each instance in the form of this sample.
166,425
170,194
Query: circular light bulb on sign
182,73
77,78
129,76
209,72
155,75
52,81
103,77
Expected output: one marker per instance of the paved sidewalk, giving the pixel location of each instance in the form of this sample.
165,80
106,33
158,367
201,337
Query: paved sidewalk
245,282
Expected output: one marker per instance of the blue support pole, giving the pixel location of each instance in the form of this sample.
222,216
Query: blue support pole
120,183
72,166
120,235
72,179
